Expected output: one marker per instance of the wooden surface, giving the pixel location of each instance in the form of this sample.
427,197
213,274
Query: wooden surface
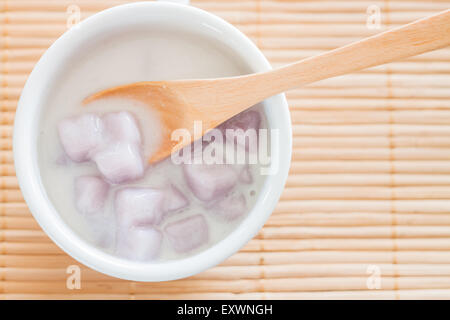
368,196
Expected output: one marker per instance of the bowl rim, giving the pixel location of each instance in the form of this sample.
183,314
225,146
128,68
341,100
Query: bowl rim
25,153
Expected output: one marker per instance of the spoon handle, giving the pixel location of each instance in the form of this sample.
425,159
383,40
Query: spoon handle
415,38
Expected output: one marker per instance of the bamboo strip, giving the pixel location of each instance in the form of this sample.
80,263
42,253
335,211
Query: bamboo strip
59,296
10,196
21,55
370,154
236,17
355,232
14,209
237,286
6,156
371,179
39,31
263,258
53,274
399,206
299,295
286,285
17,80
409,66
9,93
300,53
334,179
32,262
7,170
325,103
297,30
314,270
195,296
6,117
5,132
23,235
359,294
413,67
380,92
7,105
307,284
8,183
32,249
367,257
366,193
367,130
7,67
395,80
281,49
322,6
287,49
344,244
246,272
33,5
277,17
371,142
331,219
353,219
357,166
19,223
8,42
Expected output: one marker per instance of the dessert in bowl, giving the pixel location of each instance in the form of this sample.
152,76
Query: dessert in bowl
84,172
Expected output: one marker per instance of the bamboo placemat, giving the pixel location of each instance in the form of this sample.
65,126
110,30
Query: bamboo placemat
366,209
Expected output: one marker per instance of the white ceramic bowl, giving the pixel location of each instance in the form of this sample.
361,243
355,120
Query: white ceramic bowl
38,87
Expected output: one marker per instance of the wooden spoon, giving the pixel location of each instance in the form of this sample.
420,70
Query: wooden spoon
213,101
